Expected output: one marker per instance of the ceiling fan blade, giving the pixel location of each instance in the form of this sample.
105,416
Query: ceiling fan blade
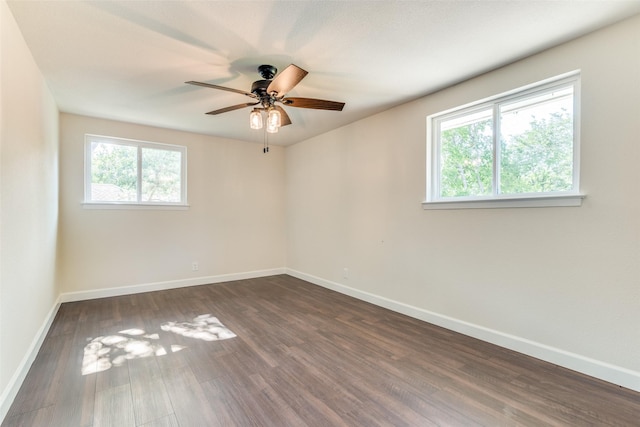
286,80
317,104
233,107
228,89
284,117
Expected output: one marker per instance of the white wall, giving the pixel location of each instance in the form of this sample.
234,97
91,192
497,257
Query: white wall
29,204
559,283
235,222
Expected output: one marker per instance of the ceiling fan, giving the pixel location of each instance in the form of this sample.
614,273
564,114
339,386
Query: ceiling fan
269,91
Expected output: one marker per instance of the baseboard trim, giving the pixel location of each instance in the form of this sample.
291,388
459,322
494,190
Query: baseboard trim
594,368
11,390
171,284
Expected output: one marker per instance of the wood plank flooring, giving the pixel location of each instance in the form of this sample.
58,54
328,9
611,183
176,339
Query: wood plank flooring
303,356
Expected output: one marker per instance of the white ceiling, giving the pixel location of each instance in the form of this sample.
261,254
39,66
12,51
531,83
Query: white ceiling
128,60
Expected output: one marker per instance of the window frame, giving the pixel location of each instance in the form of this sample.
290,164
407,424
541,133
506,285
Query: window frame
138,204
572,197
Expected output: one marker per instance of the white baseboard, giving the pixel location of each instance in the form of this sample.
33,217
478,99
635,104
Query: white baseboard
595,368
11,390
171,284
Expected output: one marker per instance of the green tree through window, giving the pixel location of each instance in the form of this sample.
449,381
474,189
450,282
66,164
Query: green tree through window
126,171
540,159
113,172
467,160
519,144
160,175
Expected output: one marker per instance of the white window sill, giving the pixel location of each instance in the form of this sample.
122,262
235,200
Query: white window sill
134,206
512,202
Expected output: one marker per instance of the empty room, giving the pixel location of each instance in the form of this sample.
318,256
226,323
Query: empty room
319,213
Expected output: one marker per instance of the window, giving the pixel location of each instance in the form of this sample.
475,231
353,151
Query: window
516,149
128,172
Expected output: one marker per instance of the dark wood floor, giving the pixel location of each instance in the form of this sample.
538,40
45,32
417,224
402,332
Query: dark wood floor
303,356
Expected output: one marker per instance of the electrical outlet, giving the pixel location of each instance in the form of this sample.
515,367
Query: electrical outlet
345,273
194,266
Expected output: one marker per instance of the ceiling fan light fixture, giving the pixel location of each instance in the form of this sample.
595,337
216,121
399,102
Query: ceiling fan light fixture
255,119
266,92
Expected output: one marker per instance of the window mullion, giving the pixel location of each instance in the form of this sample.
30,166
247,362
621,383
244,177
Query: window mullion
496,149
139,176
435,152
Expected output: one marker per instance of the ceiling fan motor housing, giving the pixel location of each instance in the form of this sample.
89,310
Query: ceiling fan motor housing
259,88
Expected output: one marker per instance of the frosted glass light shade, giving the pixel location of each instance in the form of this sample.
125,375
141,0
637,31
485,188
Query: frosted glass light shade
255,119
273,121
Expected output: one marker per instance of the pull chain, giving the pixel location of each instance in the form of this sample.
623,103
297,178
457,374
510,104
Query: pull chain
265,148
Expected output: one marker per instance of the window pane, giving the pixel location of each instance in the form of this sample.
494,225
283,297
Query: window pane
536,151
161,172
113,172
466,155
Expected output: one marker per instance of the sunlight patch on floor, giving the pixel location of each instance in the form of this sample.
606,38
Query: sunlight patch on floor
204,327
104,352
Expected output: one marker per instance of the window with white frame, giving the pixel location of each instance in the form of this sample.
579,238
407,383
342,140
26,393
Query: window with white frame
130,172
516,146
